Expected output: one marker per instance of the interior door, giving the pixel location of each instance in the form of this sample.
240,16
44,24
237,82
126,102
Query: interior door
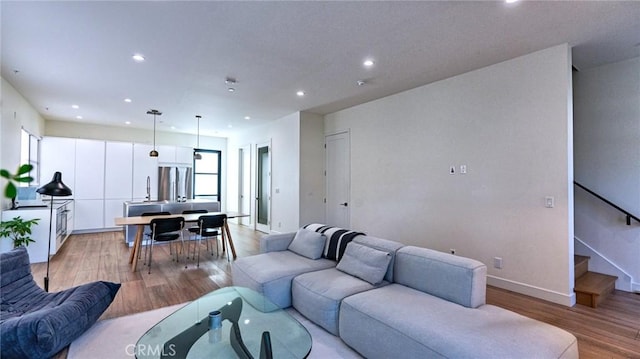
338,164
263,188
244,185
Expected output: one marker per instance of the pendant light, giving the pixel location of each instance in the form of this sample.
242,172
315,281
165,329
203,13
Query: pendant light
155,113
197,155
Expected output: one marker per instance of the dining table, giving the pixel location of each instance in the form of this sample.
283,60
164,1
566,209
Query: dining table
142,221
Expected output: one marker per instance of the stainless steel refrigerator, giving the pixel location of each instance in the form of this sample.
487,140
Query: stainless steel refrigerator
175,183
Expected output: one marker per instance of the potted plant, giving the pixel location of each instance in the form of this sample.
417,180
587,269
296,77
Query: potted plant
17,229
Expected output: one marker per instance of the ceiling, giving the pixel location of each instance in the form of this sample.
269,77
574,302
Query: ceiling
58,54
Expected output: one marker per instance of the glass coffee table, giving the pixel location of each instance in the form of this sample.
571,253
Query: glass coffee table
231,322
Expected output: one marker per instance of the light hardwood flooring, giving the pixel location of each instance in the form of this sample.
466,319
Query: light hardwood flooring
610,331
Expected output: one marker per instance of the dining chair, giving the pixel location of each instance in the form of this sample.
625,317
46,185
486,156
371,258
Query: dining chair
147,232
166,230
210,226
193,230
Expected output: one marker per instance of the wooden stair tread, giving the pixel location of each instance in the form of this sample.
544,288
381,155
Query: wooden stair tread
594,283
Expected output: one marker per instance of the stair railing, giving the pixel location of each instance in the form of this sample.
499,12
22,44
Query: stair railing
627,213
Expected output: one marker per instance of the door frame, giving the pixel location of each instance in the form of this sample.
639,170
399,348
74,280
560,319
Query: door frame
265,228
244,184
347,135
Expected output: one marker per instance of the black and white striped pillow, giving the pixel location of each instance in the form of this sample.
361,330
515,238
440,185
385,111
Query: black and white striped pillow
337,239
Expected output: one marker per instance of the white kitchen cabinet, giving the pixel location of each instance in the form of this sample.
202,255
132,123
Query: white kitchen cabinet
175,155
184,156
90,157
89,214
58,154
118,175
113,208
144,166
166,154
62,210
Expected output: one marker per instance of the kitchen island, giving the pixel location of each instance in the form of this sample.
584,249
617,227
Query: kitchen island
136,208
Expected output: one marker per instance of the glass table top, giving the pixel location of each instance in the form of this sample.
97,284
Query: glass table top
186,333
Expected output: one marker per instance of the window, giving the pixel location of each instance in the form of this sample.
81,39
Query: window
30,153
206,179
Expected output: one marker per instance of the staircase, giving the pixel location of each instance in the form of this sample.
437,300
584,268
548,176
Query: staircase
591,288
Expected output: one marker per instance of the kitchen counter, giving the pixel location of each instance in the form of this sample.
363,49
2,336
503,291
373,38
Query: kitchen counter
136,208
35,205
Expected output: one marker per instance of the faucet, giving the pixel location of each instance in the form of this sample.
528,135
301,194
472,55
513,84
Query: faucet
148,197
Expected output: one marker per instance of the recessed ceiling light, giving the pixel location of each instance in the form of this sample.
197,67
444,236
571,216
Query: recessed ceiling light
368,63
138,58
510,1
127,122
173,127
127,100
79,117
75,107
231,89
247,117
300,93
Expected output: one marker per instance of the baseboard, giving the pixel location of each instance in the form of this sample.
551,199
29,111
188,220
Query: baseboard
526,289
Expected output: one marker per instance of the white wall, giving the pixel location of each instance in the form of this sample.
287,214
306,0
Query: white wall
312,183
510,124
607,160
17,113
296,184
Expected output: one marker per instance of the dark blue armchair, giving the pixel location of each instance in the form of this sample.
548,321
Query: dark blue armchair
37,324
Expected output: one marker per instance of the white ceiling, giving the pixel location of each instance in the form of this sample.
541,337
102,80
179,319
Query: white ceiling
79,52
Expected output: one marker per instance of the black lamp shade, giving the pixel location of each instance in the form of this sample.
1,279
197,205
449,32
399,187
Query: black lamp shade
55,188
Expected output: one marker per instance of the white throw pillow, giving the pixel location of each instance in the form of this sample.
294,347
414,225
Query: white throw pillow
308,243
364,262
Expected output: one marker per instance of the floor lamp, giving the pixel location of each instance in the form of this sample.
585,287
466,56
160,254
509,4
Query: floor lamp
55,188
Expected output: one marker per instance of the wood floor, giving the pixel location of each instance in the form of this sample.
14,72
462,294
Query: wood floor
610,331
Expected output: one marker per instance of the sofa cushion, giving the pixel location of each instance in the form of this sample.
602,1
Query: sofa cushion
457,279
364,262
383,322
271,273
337,239
385,245
317,295
308,243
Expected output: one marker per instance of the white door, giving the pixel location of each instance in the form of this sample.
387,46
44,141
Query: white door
244,184
263,188
338,166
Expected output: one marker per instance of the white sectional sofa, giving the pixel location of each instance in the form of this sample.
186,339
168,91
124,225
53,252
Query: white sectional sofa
387,300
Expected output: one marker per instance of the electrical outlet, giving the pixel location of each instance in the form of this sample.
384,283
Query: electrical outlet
463,169
452,170
497,262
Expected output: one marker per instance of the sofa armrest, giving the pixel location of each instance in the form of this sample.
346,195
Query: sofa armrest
276,242
456,279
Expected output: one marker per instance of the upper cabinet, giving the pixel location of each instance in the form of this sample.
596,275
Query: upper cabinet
175,155
90,158
58,154
118,170
144,167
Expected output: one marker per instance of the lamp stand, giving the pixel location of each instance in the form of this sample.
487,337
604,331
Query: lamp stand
46,278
